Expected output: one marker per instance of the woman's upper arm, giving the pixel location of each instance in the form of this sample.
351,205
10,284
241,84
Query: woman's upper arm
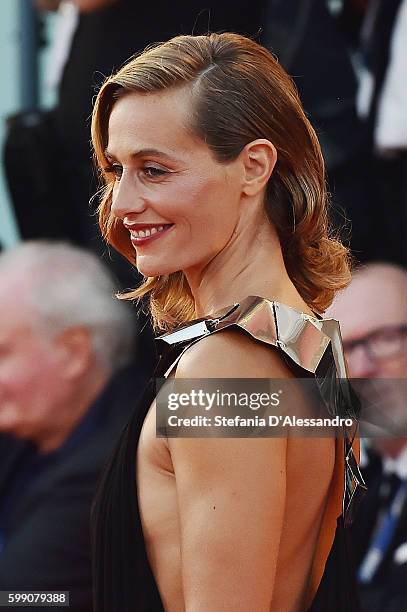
231,499
231,494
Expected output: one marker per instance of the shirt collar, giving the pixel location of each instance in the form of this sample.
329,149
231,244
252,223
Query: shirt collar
397,466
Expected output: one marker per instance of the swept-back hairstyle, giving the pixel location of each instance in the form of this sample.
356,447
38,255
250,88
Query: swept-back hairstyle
239,93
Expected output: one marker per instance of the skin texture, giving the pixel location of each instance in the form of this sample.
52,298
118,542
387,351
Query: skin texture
376,297
385,287
184,188
220,517
228,523
217,209
46,382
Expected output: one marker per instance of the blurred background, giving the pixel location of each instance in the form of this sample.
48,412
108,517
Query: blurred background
347,57
349,61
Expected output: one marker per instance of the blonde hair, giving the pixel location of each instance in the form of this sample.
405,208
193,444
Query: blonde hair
240,93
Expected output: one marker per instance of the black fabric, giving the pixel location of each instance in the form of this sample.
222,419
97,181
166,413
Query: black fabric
387,591
297,31
337,591
39,180
123,580
28,467
386,177
376,49
46,536
310,45
366,519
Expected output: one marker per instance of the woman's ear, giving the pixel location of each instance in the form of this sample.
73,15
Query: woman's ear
259,158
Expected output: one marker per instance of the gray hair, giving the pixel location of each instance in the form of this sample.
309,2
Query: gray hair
67,286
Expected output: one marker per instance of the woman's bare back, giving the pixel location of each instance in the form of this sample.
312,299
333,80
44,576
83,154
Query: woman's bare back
231,548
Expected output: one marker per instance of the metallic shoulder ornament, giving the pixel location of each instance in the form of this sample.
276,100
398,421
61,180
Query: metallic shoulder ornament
307,343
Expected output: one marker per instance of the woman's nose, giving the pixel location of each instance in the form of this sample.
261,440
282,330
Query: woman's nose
126,199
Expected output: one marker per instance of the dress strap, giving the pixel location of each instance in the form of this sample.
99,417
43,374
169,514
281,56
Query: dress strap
308,343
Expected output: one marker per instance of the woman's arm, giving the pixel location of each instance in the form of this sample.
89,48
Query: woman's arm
231,492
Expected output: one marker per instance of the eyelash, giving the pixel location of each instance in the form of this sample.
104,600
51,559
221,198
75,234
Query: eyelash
117,171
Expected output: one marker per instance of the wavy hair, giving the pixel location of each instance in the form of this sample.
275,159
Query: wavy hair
240,93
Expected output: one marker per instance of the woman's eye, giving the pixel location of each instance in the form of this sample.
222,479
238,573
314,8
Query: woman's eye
154,172
116,170
148,171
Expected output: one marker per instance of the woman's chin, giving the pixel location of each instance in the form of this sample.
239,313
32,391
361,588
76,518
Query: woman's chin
155,268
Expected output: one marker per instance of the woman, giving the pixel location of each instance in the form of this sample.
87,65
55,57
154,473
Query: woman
215,189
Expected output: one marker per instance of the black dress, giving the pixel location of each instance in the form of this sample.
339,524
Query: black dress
123,580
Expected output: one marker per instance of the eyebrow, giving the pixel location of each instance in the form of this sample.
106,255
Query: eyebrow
142,153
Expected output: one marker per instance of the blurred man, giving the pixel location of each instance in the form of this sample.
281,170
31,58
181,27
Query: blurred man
64,397
373,316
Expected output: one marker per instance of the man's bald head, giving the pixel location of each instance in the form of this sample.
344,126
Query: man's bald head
372,312
62,335
377,296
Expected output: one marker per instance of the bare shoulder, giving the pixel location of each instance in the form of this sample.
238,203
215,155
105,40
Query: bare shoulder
232,353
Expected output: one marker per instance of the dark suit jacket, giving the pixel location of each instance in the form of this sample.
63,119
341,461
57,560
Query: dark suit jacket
47,538
388,590
310,45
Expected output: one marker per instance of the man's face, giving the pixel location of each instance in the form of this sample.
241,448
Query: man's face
373,317
372,312
31,387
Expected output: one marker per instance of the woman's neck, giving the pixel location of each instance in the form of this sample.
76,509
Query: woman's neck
229,277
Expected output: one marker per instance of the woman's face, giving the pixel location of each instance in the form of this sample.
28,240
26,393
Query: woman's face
179,204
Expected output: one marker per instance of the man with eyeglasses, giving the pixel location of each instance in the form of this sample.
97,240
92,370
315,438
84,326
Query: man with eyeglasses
373,316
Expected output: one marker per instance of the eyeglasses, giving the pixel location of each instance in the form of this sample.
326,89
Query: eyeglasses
381,344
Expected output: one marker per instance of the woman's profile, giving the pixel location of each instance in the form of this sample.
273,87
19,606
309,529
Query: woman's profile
215,190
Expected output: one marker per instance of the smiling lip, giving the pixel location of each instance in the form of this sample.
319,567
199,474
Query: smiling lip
142,240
